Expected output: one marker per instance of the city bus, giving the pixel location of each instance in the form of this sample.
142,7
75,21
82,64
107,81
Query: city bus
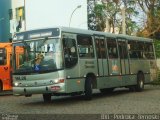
70,61
6,65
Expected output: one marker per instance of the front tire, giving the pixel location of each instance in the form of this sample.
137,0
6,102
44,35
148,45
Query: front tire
47,97
88,88
140,82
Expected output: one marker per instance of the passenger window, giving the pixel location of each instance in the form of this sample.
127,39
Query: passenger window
85,46
112,49
101,48
149,53
136,50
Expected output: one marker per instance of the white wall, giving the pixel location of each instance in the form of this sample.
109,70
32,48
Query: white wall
48,13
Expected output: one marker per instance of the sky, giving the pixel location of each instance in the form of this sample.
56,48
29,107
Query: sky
48,13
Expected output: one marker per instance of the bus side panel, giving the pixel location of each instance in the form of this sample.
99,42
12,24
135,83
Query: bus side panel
75,85
74,81
115,70
109,82
103,82
135,67
76,76
139,65
130,80
87,66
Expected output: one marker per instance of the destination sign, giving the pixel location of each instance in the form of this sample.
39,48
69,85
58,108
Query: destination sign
34,34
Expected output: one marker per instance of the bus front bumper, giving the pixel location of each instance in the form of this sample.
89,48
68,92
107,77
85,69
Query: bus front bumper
57,88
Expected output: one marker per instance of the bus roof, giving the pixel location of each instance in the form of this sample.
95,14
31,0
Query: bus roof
106,34
54,31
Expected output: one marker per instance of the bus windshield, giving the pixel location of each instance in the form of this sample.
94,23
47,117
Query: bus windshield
39,56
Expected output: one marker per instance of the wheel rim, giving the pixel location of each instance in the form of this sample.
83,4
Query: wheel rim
141,84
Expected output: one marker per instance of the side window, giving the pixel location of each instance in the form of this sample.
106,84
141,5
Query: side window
136,49
70,52
3,56
85,46
132,48
112,49
123,52
101,48
148,51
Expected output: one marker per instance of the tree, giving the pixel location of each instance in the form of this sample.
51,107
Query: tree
100,17
130,12
152,11
111,10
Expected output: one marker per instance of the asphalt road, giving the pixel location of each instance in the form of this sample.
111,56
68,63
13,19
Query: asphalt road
121,101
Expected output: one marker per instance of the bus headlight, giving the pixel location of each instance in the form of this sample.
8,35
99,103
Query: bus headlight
59,81
16,84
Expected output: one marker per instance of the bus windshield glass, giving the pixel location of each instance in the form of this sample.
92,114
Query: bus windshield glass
39,56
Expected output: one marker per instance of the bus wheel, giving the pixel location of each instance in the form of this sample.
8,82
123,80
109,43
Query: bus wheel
106,90
88,88
1,86
47,97
140,82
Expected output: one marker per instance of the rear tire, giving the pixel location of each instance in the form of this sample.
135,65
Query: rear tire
88,88
140,82
47,97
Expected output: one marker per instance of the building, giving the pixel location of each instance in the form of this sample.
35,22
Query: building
21,15
33,14
5,7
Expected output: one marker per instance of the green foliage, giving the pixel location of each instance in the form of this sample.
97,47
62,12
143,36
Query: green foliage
111,10
157,48
100,16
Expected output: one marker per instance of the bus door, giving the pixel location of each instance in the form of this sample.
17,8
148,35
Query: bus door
124,61
102,61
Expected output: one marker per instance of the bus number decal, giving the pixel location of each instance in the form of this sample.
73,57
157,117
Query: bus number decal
20,78
89,64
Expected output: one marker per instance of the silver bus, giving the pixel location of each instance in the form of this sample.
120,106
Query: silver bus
69,61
